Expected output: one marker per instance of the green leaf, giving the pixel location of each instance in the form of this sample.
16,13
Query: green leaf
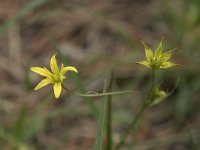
98,143
108,144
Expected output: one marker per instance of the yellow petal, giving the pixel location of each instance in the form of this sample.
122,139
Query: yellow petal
53,64
50,75
42,71
166,65
42,83
165,57
57,89
62,66
148,52
68,68
158,51
145,63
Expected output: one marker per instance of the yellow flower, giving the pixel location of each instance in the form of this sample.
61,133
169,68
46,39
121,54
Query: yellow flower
55,77
157,60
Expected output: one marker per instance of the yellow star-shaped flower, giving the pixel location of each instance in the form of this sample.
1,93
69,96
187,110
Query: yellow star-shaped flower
158,59
55,77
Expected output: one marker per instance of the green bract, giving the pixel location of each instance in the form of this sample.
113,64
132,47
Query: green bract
157,59
158,96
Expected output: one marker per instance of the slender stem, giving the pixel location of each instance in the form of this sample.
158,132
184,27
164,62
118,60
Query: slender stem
98,94
109,115
152,80
152,88
131,126
146,104
109,124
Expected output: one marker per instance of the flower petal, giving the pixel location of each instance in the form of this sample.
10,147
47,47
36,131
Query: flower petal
57,89
148,52
145,63
166,65
165,57
158,51
68,68
42,83
53,64
62,66
42,71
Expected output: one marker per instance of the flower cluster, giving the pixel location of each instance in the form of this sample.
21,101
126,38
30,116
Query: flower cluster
158,59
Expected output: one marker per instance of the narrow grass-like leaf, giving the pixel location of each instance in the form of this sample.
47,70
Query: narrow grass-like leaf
109,114
98,143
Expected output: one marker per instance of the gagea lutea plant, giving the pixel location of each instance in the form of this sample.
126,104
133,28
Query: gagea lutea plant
155,60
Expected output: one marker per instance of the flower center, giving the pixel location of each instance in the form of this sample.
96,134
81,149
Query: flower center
56,77
155,63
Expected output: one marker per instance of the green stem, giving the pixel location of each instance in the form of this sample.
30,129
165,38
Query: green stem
109,124
109,116
98,94
131,126
152,80
152,88
146,104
